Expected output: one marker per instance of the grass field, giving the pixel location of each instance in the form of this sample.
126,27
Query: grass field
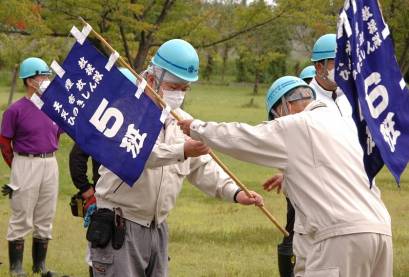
207,237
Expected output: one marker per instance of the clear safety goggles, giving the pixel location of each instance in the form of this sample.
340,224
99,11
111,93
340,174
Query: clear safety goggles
300,93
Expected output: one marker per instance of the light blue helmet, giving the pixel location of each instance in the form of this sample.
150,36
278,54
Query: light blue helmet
179,58
33,66
128,74
280,87
308,72
324,48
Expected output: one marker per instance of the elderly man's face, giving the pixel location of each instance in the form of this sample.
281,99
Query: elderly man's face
168,86
173,87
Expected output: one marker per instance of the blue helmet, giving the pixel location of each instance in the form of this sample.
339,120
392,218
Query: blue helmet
128,74
324,48
31,67
280,87
179,58
308,72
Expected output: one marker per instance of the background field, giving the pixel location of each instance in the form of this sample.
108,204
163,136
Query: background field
207,237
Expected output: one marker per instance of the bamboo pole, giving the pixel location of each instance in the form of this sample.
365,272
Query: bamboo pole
177,117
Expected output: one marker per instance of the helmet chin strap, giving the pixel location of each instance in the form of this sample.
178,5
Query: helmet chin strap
285,105
325,71
324,75
159,82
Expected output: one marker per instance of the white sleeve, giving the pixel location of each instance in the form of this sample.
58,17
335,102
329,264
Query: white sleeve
263,144
210,178
166,154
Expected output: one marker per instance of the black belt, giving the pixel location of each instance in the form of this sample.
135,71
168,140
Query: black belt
40,155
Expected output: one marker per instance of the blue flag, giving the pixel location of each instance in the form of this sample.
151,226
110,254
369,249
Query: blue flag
368,73
102,111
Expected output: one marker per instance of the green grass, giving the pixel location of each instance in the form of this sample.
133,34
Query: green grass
208,237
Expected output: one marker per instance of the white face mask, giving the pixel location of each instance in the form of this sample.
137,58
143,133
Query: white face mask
331,75
42,86
174,98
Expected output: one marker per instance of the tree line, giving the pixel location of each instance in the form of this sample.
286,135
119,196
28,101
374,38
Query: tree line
249,41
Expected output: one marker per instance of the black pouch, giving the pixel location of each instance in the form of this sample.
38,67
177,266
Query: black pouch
118,237
101,228
77,205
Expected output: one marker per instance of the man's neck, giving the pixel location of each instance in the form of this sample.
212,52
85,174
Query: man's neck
29,93
322,84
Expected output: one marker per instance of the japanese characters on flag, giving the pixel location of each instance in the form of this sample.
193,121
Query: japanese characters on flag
368,73
96,106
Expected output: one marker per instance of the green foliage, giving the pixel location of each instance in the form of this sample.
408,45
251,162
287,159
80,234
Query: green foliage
396,13
226,33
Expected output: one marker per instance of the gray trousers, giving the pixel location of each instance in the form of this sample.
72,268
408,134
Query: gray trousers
144,253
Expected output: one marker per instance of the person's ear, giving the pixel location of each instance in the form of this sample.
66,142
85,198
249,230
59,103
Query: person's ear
31,83
289,106
318,67
151,80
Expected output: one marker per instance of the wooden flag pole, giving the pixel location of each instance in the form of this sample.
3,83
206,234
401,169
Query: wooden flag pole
178,118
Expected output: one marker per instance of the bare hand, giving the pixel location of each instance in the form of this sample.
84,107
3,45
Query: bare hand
88,194
274,182
185,126
194,148
255,199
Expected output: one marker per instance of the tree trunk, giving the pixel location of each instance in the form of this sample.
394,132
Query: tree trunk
209,67
256,82
125,43
225,58
241,71
13,84
143,50
402,59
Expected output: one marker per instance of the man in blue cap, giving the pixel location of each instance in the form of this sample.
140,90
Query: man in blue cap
324,177
307,74
327,91
29,140
285,252
146,205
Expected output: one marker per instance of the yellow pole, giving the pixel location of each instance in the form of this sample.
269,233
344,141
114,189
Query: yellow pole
177,117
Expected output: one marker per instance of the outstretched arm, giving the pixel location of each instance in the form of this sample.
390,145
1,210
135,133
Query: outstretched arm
263,144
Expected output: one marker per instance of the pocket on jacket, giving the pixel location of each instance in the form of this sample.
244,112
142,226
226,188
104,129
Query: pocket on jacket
327,272
182,169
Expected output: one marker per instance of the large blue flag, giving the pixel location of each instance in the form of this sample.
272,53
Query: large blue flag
103,111
368,73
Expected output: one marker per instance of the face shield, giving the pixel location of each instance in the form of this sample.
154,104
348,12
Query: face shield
296,94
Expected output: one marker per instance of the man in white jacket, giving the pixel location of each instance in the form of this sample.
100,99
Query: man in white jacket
146,205
327,91
325,179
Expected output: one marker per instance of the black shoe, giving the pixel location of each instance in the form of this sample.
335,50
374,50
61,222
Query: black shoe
16,250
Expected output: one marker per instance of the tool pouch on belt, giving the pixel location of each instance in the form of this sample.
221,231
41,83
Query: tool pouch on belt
77,205
118,236
101,228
